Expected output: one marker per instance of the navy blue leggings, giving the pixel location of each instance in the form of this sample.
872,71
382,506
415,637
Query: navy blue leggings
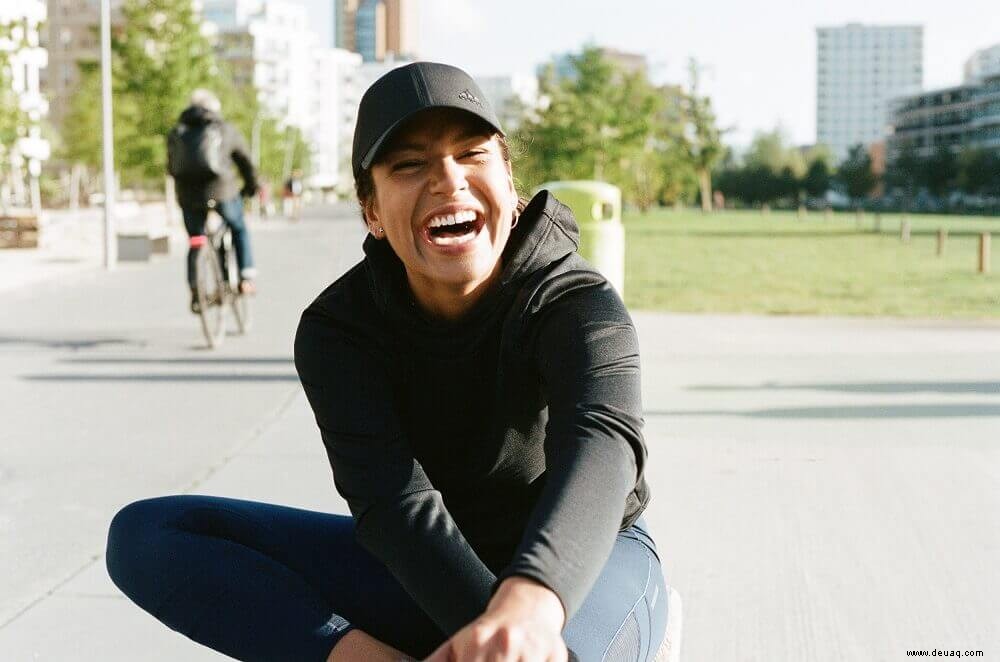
263,582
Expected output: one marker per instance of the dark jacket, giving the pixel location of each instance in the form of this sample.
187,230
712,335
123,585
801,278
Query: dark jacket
197,193
508,443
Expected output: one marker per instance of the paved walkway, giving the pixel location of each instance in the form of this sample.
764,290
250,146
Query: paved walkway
824,489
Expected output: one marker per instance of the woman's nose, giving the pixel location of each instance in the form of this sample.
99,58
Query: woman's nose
448,176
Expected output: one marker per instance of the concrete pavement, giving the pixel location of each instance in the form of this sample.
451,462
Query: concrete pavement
824,489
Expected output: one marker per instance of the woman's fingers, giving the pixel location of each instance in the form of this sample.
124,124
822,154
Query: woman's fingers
485,642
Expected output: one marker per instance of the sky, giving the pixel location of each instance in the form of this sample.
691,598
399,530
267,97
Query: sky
758,58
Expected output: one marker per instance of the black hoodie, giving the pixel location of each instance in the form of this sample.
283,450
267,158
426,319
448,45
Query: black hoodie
196,194
508,443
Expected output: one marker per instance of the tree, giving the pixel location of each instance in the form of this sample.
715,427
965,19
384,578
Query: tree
158,57
12,119
856,173
599,123
940,172
817,180
705,143
905,172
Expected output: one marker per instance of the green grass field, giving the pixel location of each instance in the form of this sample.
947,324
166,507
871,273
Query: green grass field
749,262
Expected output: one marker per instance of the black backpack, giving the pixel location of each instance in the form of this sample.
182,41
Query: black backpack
195,152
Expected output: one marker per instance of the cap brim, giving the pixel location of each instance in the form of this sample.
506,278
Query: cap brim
372,153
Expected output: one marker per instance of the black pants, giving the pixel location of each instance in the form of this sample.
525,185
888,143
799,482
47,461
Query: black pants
231,212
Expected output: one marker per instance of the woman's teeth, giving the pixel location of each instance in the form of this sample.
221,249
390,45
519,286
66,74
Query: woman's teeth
466,216
453,229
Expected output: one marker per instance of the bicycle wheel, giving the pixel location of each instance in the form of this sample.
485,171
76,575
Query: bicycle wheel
211,294
240,302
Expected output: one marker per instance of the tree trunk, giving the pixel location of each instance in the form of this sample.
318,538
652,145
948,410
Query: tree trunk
705,183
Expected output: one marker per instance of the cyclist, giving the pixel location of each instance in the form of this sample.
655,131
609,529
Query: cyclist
201,152
477,387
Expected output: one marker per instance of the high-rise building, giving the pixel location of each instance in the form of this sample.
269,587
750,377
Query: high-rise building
859,69
378,29
983,64
27,59
345,14
70,35
961,117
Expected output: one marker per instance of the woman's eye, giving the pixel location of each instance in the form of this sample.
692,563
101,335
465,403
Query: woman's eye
472,153
405,165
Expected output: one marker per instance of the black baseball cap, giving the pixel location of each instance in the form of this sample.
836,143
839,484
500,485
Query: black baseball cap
405,91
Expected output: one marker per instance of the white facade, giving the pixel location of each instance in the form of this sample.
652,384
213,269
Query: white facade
335,111
273,39
27,58
511,95
983,64
859,69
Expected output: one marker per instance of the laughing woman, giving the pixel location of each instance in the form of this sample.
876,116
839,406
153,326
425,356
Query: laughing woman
476,385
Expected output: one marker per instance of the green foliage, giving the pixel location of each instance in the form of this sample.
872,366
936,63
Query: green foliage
158,58
856,173
971,171
704,144
979,172
607,124
817,179
12,118
941,171
775,172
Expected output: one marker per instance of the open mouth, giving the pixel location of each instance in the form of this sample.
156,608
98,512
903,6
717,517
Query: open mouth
454,229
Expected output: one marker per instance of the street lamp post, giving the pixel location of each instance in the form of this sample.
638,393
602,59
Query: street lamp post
255,157
110,252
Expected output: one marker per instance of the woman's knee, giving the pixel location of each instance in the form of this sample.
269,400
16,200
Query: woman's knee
133,535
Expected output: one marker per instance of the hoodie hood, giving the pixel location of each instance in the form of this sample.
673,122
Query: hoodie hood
545,233
198,116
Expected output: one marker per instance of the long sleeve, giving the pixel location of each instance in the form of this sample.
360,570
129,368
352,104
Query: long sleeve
586,351
241,157
400,517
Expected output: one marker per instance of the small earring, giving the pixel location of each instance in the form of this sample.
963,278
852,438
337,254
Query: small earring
377,231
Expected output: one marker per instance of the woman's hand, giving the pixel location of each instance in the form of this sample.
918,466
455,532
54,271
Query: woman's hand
523,623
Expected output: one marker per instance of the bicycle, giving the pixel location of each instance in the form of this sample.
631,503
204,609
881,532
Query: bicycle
217,282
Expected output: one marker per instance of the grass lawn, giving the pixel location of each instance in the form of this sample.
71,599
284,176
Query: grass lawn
748,262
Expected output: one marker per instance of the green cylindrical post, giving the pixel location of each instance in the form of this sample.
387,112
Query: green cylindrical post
597,207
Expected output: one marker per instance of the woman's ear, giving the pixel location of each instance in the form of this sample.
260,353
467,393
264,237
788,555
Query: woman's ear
371,219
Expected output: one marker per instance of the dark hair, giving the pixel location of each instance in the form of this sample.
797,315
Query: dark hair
364,184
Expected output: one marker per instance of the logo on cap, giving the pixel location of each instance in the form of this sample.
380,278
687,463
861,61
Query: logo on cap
469,96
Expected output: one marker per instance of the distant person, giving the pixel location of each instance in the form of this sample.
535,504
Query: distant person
201,152
293,195
476,385
264,198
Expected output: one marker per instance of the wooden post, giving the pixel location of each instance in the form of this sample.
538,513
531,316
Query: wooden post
904,232
942,237
984,253
827,213
802,212
877,228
